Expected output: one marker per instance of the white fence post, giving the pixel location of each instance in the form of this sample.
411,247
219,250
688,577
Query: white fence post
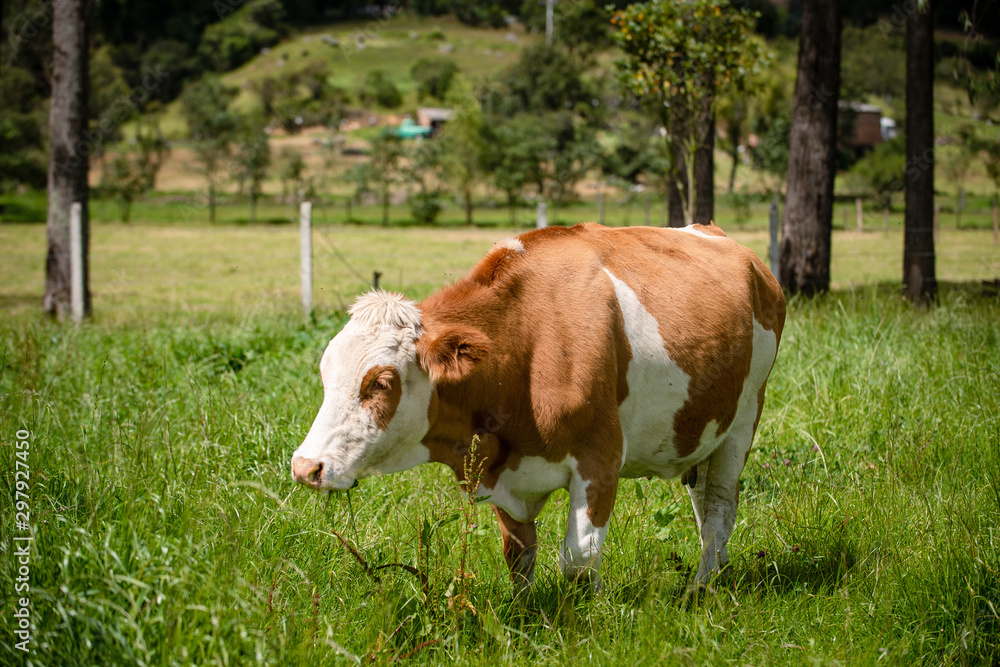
76,261
305,251
541,216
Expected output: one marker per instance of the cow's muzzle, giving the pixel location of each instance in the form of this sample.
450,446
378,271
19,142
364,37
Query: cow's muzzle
307,471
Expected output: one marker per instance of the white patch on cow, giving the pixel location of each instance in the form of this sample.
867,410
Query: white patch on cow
714,496
379,308
344,437
522,492
511,244
581,551
697,232
657,389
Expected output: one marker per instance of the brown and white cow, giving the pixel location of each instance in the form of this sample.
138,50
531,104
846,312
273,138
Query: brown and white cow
579,356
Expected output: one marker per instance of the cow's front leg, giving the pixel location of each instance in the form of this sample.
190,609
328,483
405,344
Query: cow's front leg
591,502
520,544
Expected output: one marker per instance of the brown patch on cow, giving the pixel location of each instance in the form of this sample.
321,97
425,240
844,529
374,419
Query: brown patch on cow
452,354
520,542
380,392
556,368
495,266
711,229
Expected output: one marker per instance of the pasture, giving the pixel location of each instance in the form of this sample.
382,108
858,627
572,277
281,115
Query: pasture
168,529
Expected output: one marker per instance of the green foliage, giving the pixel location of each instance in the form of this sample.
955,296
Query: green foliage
770,155
379,89
867,70
292,175
303,98
632,154
463,145
883,169
173,57
479,12
130,173
543,79
382,172
433,77
517,150
678,57
253,158
425,168
238,37
107,90
212,127
22,119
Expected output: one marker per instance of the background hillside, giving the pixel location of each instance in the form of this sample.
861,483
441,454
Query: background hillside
323,82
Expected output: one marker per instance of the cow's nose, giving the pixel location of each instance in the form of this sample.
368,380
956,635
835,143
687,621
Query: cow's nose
307,471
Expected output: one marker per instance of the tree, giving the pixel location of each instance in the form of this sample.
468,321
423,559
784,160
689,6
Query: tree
293,180
252,160
382,171
378,89
462,137
424,168
957,163
516,155
919,277
212,127
433,77
807,223
882,170
679,57
68,163
132,173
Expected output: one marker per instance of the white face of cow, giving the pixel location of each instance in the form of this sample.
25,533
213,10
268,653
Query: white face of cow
375,398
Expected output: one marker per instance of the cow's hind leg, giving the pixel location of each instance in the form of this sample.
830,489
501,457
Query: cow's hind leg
715,496
520,544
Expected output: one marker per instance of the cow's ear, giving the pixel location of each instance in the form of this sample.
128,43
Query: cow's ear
452,354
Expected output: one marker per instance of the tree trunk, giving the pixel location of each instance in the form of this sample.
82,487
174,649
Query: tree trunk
704,177
68,155
919,277
734,136
808,217
677,182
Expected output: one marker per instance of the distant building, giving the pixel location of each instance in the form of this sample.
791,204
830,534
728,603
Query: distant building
433,118
869,127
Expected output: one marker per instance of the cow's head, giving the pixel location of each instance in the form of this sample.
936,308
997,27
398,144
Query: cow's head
378,379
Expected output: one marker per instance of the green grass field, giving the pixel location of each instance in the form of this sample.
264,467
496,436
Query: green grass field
168,529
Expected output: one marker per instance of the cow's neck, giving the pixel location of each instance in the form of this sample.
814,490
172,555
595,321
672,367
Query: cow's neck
454,421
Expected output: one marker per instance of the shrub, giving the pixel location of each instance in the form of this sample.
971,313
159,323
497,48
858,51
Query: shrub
378,89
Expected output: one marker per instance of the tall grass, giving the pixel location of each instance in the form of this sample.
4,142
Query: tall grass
168,529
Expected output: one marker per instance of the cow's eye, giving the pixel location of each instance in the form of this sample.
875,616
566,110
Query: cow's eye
377,380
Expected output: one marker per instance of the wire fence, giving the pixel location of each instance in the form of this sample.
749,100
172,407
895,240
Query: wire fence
198,268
